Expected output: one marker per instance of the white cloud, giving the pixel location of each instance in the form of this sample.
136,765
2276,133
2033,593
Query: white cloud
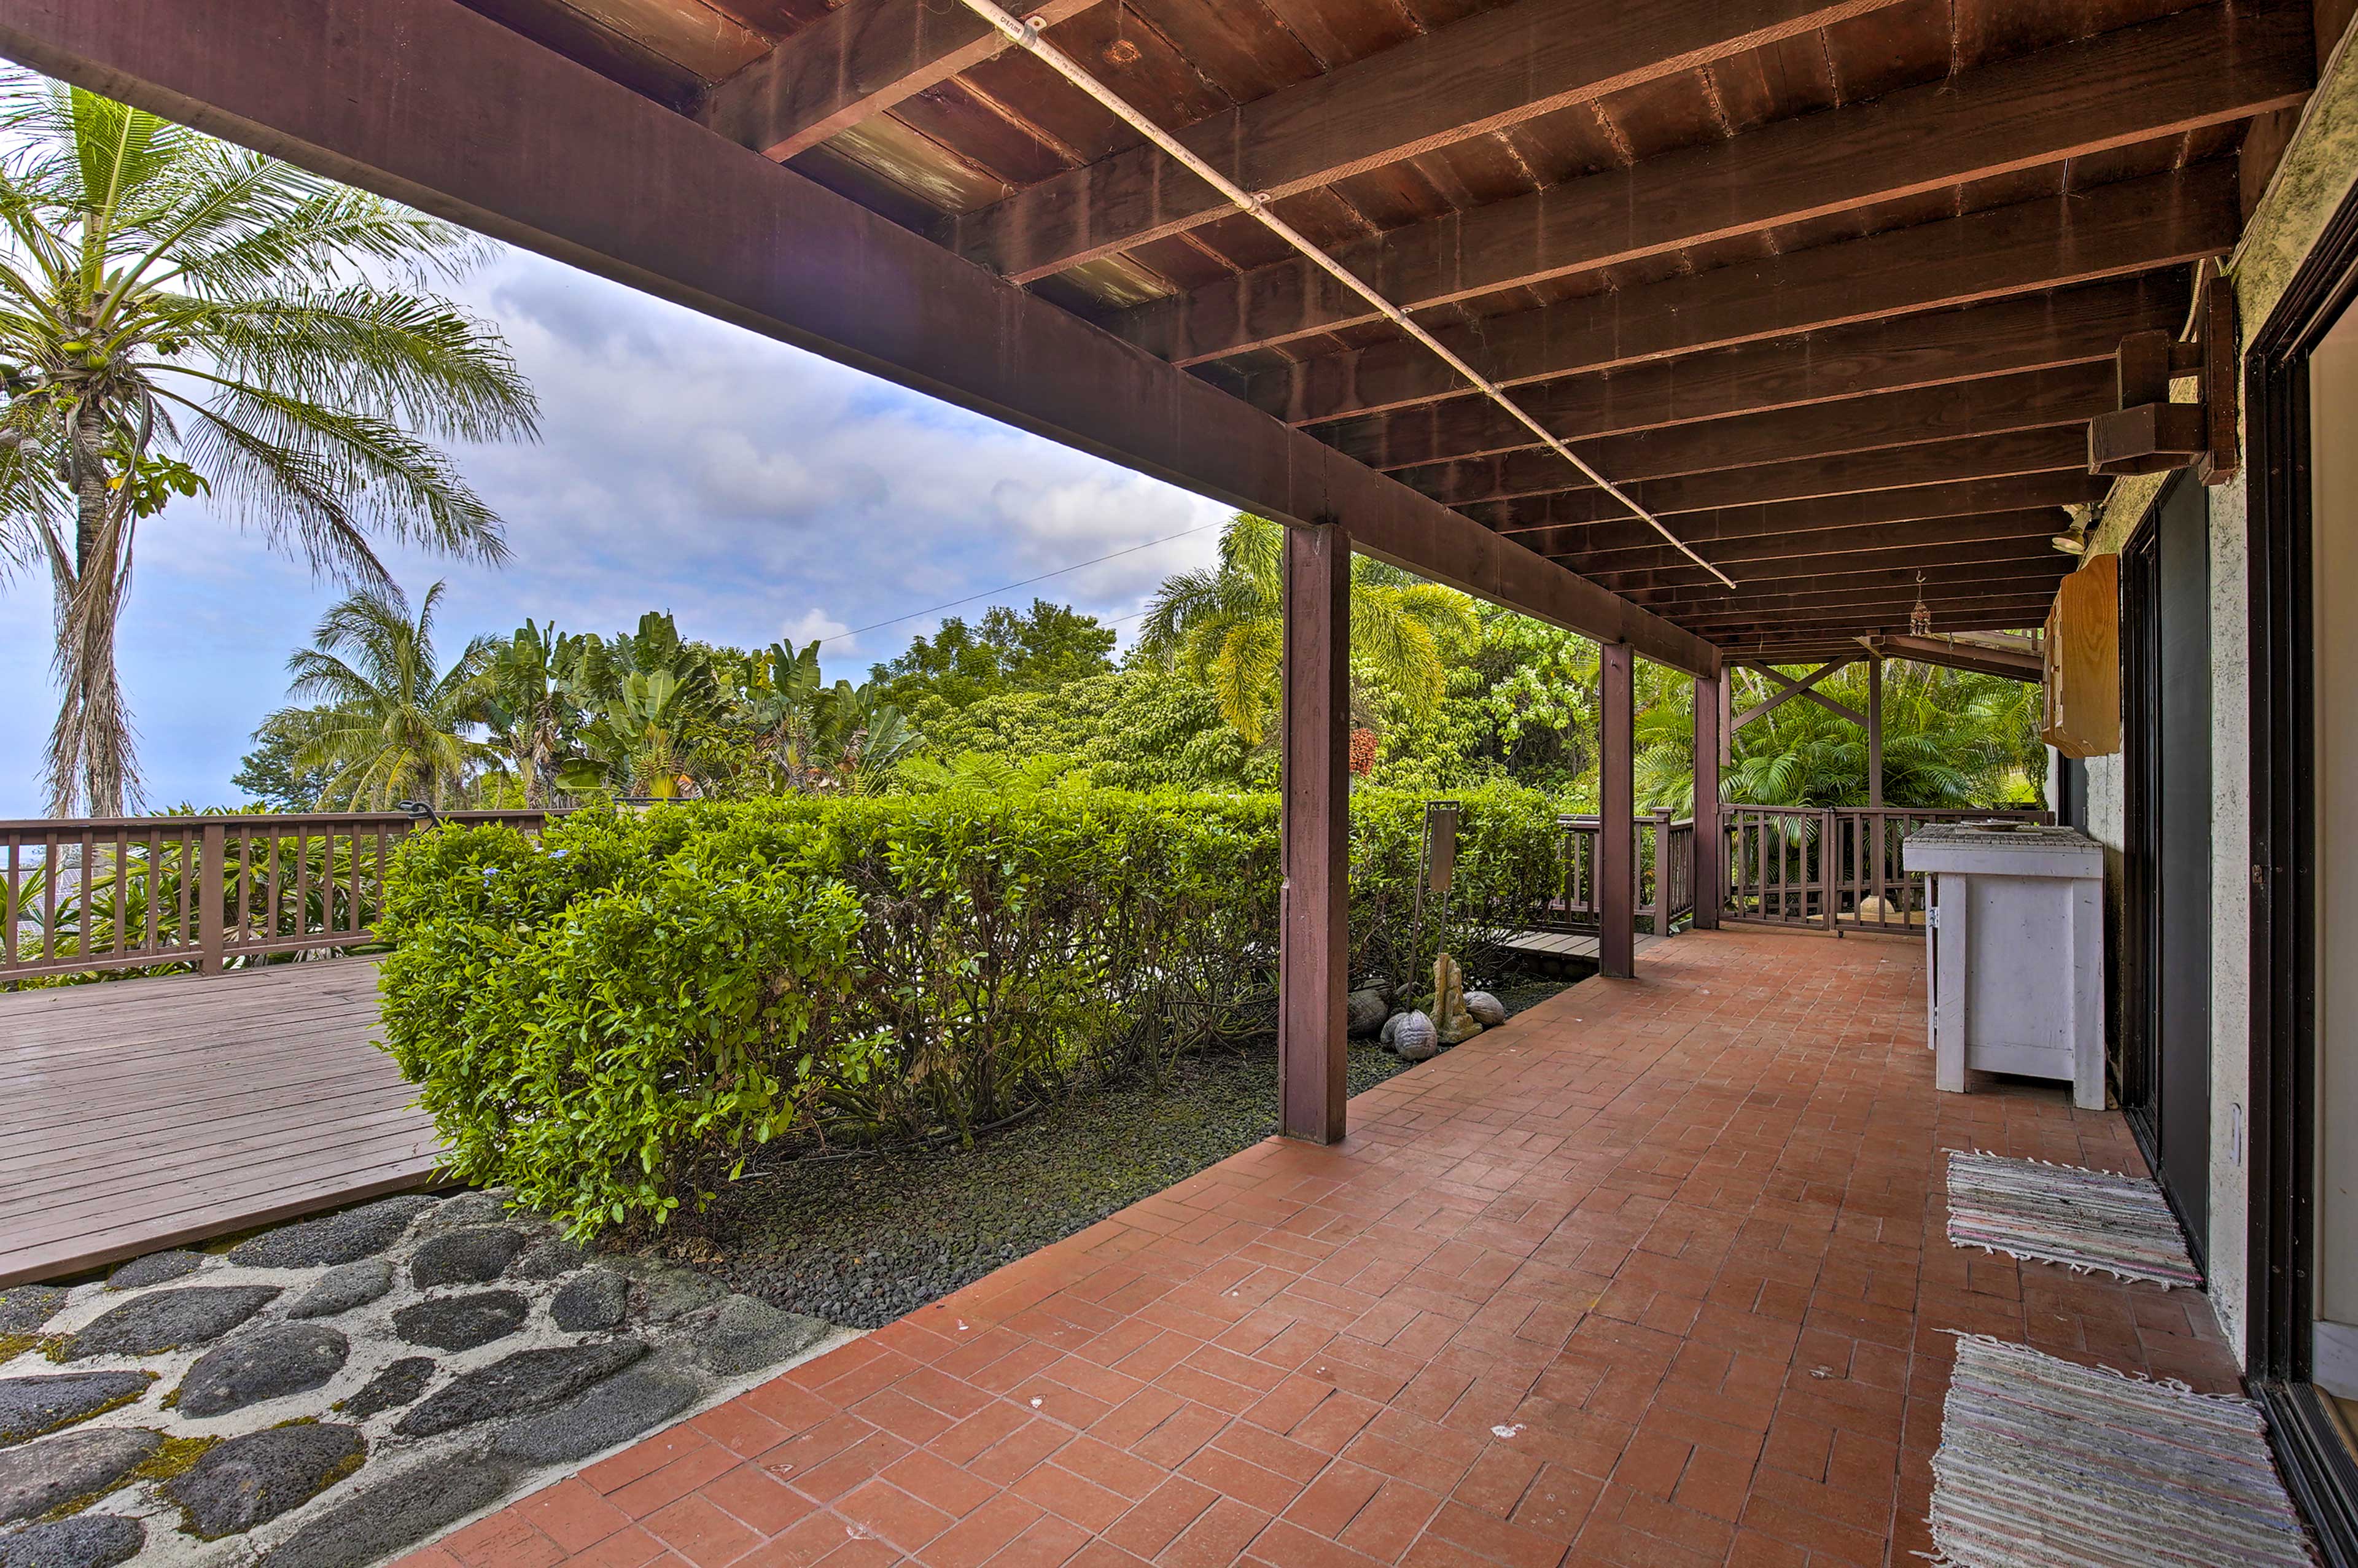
818,623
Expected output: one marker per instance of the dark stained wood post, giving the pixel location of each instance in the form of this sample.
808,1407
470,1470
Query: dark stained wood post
1313,937
1875,730
1616,861
1710,736
213,900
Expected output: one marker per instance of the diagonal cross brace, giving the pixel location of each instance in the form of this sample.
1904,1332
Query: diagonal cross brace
1802,687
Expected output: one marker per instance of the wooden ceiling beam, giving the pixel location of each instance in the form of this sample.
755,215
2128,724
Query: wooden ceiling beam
485,128
857,60
2206,66
1752,574
2058,448
1998,406
2038,331
1864,587
2109,231
2001,611
1829,543
1806,522
1489,71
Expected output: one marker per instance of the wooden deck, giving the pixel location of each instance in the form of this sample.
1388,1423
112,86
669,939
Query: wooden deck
145,1113
1563,944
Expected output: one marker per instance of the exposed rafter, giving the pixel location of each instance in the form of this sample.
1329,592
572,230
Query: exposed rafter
1846,569
2038,331
2113,231
2028,400
2198,68
1489,71
857,60
1828,546
1775,520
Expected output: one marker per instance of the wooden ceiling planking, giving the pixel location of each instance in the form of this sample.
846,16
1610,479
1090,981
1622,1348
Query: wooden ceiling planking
897,153
565,31
1238,45
778,18
1338,32
1997,530
1904,46
1003,145
688,32
2049,450
2119,230
1895,355
1505,65
1602,534
1809,181
1995,405
1979,559
1894,586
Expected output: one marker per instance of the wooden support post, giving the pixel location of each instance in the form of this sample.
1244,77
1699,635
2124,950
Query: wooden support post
1875,730
213,900
1616,836
1710,743
1314,945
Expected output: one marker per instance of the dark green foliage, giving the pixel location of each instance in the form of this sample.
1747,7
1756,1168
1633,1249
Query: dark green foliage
269,776
1048,646
607,1018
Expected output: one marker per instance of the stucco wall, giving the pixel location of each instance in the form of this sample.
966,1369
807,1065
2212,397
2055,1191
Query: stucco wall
2319,170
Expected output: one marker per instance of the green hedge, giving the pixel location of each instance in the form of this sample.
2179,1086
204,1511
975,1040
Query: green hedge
606,1017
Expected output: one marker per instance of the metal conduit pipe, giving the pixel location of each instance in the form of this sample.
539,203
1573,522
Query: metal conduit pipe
1025,33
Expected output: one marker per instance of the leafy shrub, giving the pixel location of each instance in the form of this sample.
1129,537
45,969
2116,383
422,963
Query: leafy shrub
606,1018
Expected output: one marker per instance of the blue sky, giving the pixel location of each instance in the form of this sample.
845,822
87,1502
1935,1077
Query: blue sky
754,491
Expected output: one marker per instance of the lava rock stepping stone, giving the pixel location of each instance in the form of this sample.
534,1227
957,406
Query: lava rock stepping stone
37,1476
548,1260
526,1381
488,1207
345,1238
594,1300
85,1540
26,1307
465,1257
253,1479
344,1287
398,1384
31,1406
399,1511
672,1292
167,1320
268,1364
746,1335
154,1268
461,1322
623,1407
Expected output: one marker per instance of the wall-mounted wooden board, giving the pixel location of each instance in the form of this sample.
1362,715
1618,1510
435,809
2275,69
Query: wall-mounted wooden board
2082,650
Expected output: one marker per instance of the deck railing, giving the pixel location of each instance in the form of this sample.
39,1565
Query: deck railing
91,894
1833,868
1664,854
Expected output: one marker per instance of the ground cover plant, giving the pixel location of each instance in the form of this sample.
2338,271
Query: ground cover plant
609,1018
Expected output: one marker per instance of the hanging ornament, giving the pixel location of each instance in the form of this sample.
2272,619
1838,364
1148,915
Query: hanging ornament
1919,620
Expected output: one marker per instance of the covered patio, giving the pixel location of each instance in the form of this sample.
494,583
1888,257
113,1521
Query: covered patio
1653,1275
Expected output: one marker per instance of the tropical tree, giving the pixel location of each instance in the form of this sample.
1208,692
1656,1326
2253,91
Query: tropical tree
529,703
182,317
389,723
1224,625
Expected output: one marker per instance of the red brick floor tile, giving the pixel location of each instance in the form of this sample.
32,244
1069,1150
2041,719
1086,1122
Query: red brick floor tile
1653,1277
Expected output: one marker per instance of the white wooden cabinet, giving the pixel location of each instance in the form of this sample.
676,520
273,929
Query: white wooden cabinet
2016,942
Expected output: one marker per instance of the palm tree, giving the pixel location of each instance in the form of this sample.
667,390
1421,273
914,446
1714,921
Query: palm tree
529,701
180,317
389,725
1226,625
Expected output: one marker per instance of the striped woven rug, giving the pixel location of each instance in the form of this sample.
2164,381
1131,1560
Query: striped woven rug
2043,1463
2062,1214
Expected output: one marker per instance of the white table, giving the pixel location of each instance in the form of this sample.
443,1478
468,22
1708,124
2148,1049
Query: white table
2015,940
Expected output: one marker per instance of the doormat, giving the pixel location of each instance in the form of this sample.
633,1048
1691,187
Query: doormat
2062,1214
2046,1463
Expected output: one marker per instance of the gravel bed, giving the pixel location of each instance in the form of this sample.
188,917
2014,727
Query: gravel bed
863,1240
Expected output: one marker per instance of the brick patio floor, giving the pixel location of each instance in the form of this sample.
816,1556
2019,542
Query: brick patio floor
1653,1275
